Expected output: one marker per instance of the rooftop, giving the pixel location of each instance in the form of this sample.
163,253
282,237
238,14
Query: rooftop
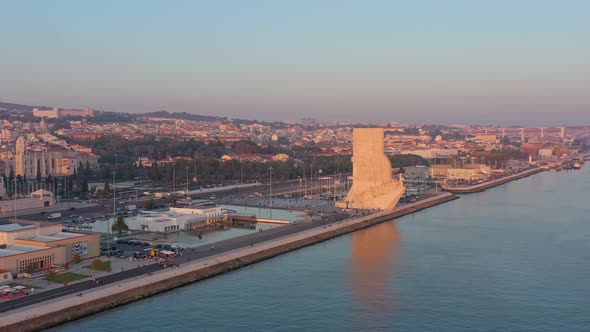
54,237
14,227
19,249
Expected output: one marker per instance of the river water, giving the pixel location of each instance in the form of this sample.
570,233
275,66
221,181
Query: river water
513,258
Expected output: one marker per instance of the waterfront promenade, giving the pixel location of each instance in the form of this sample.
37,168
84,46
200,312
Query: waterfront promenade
78,300
490,184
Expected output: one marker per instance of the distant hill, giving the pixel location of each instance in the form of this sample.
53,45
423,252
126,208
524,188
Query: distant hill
109,117
182,115
19,106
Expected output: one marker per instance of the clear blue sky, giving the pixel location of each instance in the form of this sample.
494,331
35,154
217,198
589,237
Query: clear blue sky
493,61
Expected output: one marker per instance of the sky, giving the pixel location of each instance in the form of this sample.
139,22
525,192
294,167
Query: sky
507,62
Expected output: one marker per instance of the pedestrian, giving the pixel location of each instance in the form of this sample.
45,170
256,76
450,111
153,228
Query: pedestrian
251,244
121,269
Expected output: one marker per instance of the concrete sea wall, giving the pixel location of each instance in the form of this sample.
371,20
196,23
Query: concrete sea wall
481,187
68,308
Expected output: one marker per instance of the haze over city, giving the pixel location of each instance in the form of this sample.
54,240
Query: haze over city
490,62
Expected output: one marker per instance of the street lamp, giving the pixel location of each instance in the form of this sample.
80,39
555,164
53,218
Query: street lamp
241,171
15,198
270,195
320,181
186,181
66,186
311,180
173,178
114,214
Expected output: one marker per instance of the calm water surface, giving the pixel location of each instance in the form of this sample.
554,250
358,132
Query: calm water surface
514,258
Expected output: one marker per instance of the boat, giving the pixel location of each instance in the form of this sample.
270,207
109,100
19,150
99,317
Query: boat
577,165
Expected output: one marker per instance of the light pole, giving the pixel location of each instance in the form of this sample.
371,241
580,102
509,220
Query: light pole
15,198
311,181
114,214
334,183
66,187
320,181
241,171
186,181
270,195
304,181
173,178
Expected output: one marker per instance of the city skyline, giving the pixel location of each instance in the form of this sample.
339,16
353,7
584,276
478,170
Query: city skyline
463,62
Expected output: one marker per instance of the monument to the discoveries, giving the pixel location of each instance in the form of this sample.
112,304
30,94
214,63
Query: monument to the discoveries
373,186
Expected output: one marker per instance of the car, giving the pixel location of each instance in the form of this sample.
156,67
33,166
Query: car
72,208
124,255
43,212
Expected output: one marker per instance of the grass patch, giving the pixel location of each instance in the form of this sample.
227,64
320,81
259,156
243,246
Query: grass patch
14,284
68,276
99,265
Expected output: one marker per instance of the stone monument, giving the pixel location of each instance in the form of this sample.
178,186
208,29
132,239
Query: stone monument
373,186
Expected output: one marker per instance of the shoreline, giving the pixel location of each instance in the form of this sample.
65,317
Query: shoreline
491,184
71,307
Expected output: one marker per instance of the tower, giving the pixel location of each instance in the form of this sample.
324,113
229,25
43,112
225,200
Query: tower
43,126
19,158
373,186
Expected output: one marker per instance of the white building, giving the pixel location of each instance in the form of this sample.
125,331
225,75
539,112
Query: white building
545,154
417,172
176,219
433,153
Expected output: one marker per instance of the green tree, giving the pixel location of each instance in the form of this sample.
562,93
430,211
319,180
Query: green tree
84,185
87,168
405,160
120,226
245,147
149,204
107,188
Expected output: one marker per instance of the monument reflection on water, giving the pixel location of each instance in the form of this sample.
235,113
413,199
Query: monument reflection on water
373,260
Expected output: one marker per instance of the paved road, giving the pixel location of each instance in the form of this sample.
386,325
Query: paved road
201,252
